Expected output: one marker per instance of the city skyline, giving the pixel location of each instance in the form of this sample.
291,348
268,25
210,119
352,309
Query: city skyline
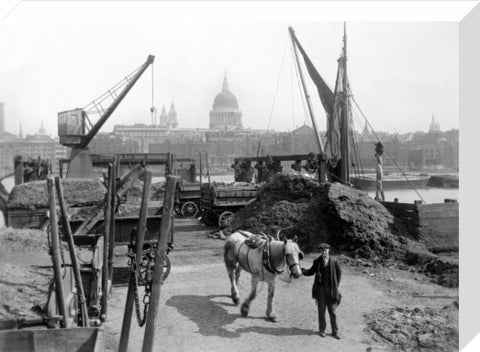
400,72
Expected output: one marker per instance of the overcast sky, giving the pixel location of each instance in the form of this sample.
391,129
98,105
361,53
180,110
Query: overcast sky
400,72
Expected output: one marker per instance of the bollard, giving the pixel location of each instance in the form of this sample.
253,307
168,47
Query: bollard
165,229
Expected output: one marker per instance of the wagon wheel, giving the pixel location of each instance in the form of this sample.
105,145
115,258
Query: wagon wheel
224,219
208,218
189,209
146,270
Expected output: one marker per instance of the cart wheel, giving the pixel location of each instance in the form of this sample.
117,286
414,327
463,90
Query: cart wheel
166,268
189,210
224,219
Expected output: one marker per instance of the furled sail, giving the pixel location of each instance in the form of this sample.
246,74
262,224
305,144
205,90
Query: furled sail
333,138
326,95
332,103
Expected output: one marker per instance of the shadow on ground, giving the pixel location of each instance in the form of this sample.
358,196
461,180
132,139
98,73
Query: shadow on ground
197,308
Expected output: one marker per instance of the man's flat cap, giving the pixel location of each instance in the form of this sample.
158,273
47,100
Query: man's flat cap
323,245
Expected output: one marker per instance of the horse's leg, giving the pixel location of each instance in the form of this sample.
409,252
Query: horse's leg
232,267
237,273
233,274
246,304
271,316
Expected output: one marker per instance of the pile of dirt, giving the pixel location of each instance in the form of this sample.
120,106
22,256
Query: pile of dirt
135,193
78,192
441,269
23,240
331,212
417,329
24,291
23,288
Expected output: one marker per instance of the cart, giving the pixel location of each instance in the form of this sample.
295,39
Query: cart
220,201
187,199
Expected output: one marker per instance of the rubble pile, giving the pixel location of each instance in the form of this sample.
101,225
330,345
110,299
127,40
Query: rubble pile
23,288
417,329
78,192
135,193
347,218
441,269
24,291
23,240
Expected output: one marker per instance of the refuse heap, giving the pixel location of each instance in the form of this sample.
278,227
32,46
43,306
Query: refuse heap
23,287
416,329
346,218
77,192
83,197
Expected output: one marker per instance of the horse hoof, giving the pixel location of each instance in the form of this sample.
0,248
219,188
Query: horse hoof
272,319
244,311
236,301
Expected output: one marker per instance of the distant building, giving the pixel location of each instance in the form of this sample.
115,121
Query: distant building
225,114
34,146
434,126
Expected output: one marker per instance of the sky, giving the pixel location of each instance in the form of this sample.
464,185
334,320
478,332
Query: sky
401,72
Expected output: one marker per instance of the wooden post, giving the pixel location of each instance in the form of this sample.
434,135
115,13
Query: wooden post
73,256
18,167
57,271
208,170
106,245
127,314
322,167
201,171
165,229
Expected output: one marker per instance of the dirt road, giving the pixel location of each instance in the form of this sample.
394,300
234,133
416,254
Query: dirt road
197,314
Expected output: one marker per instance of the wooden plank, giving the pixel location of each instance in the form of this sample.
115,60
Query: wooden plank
400,206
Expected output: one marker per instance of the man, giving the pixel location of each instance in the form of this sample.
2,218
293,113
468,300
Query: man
379,195
325,288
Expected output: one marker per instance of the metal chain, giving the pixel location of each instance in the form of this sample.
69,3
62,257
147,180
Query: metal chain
148,284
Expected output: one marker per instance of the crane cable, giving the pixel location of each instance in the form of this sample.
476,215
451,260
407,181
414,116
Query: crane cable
274,97
394,161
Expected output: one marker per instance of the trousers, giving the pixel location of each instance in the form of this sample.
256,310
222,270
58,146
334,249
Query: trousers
326,302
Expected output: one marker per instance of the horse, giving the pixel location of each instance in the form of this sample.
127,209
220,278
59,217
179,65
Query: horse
264,263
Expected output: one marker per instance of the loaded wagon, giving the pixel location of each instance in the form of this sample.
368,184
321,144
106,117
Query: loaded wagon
220,201
187,199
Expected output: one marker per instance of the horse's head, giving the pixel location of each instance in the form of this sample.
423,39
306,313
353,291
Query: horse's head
293,255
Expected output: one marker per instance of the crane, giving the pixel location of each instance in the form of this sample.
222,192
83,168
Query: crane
76,129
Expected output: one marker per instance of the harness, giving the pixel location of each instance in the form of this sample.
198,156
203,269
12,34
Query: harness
266,254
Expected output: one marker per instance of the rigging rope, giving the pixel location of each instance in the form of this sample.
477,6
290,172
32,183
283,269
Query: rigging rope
274,97
300,89
278,83
385,149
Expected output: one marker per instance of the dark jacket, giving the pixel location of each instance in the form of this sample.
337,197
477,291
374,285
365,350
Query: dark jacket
335,277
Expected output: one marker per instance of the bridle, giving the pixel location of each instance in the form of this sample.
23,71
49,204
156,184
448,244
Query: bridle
291,265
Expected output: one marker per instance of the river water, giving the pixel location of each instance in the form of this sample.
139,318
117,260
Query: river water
428,195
